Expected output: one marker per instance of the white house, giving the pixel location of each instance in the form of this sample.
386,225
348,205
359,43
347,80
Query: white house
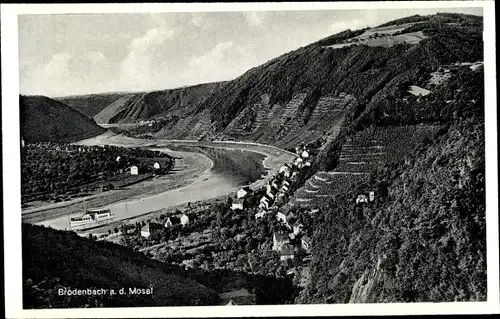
118,158
149,228
305,154
172,220
298,161
361,199
22,142
270,194
241,193
307,163
264,203
279,240
268,188
297,228
237,204
306,243
274,184
286,183
156,165
282,217
313,211
283,169
134,170
145,231
260,214
287,252
184,220
284,188
371,196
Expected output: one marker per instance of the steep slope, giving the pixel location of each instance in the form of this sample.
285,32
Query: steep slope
91,104
56,259
156,104
423,238
281,101
47,120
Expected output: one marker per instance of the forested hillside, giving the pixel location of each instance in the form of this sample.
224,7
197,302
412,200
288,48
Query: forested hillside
47,120
142,106
55,260
91,104
423,238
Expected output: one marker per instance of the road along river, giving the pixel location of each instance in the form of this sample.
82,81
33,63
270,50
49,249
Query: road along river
197,176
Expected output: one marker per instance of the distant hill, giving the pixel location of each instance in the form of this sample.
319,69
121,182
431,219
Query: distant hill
55,259
46,120
142,106
295,97
91,104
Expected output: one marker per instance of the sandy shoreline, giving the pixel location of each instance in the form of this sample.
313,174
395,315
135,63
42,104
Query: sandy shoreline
193,181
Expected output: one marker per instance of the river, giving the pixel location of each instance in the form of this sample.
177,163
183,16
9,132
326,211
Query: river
211,173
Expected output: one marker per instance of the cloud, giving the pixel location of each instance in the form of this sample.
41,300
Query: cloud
353,24
58,66
255,18
94,56
138,66
226,60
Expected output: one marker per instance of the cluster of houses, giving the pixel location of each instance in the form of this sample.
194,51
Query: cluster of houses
365,198
283,241
134,170
277,188
152,227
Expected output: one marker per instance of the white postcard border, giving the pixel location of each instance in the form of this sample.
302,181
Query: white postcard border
11,177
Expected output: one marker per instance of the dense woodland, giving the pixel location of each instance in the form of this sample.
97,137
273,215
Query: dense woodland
429,216
54,259
51,169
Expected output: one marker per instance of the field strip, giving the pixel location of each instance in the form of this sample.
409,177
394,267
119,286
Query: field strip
312,185
311,191
303,199
346,173
316,177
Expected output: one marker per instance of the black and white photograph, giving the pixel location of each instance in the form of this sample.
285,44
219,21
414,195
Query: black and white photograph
253,155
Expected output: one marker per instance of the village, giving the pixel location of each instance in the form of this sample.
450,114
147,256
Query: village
256,232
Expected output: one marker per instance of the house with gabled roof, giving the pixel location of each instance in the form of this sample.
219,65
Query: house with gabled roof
287,252
149,229
260,214
282,218
172,220
237,204
306,243
243,192
184,219
280,239
361,199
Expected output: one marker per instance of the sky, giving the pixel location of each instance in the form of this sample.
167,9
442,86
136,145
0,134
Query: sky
72,54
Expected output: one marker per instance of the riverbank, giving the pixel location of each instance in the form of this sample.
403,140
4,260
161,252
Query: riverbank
192,180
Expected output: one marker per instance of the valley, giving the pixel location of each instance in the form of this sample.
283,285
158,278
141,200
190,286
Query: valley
350,170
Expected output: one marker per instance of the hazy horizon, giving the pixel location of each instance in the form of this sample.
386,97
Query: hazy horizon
80,54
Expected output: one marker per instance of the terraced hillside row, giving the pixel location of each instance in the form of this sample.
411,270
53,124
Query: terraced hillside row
277,101
361,154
